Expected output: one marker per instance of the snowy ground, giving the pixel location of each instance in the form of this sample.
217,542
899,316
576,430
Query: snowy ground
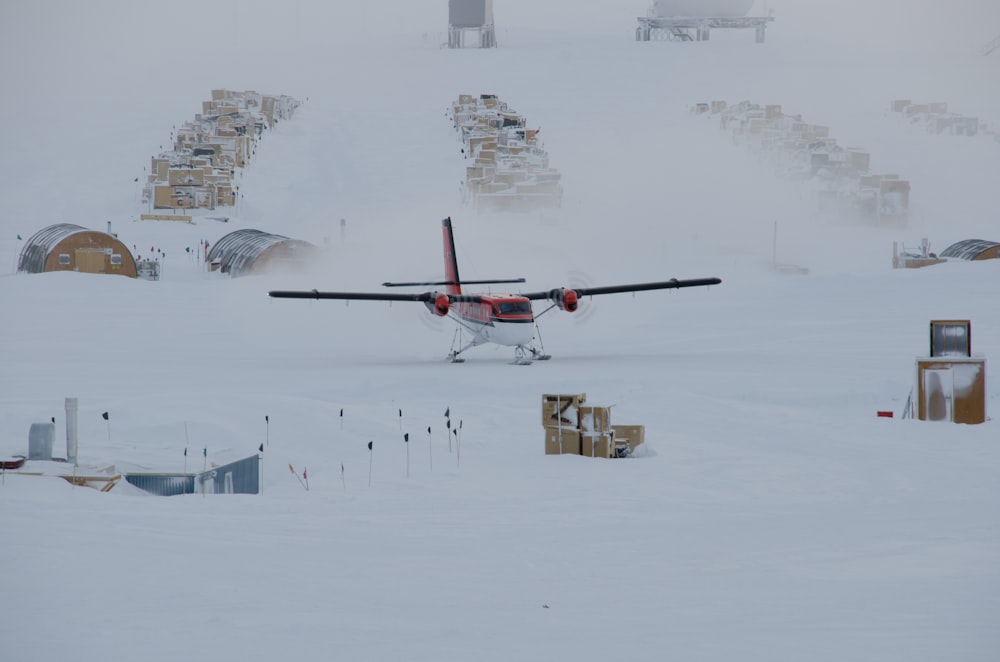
771,516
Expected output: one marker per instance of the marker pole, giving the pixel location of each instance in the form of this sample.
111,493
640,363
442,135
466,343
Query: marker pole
370,456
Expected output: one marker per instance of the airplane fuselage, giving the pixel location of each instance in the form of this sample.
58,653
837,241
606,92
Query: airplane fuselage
501,319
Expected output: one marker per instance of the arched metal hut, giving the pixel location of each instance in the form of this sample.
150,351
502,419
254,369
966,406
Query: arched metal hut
251,251
68,247
973,249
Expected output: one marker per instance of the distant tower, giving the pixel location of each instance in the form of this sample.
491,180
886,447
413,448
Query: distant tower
468,16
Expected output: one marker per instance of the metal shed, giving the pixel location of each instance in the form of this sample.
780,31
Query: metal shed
973,249
239,477
69,247
252,251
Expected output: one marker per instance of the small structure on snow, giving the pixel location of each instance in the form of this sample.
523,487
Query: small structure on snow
471,16
252,251
951,382
973,249
69,247
914,258
693,20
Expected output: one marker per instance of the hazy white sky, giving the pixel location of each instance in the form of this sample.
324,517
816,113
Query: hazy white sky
138,27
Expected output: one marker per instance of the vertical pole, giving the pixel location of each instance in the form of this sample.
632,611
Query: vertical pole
774,247
370,456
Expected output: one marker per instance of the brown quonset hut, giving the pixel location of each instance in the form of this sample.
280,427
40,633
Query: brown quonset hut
973,249
68,247
245,252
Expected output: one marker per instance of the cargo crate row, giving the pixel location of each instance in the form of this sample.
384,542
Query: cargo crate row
200,169
575,428
507,169
936,119
806,152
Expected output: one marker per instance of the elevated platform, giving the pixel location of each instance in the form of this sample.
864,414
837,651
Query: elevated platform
483,36
696,28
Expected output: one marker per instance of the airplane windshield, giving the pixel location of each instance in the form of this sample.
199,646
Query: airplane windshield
514,308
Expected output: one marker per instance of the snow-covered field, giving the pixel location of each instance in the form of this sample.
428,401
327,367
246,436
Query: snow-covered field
771,514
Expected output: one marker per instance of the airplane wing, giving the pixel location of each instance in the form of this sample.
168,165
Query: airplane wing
423,297
673,283
451,282
347,296
568,299
438,303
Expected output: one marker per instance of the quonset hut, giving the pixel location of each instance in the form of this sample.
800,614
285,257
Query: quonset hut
245,252
973,249
68,247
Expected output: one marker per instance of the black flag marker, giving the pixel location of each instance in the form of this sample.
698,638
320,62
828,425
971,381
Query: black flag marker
369,445
428,429
406,437
447,412
261,449
185,452
105,416
342,412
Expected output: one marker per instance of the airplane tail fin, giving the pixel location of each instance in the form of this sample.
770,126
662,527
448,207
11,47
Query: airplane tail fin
454,284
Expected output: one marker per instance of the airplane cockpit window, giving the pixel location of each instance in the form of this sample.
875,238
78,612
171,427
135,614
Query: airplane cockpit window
514,308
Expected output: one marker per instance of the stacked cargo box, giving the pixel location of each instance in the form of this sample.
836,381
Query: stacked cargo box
804,151
936,118
198,172
509,170
573,427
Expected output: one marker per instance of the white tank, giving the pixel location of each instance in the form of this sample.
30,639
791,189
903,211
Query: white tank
724,8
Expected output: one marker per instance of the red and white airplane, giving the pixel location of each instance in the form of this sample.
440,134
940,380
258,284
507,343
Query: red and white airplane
502,319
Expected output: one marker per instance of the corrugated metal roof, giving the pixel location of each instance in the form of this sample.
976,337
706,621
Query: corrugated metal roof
163,484
36,249
238,251
968,249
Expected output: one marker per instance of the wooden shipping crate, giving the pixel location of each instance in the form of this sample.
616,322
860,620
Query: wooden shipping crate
635,435
597,445
561,409
562,441
596,420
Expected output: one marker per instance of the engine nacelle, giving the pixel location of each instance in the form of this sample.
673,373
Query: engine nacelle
566,299
441,304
